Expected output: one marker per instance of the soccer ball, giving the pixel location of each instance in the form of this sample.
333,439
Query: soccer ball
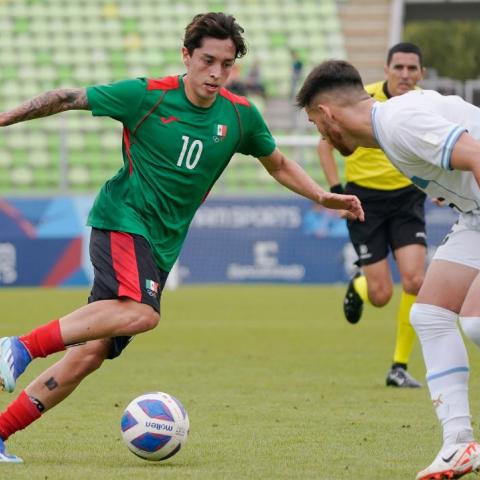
155,426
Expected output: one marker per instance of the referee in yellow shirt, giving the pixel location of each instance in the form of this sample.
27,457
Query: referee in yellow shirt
394,218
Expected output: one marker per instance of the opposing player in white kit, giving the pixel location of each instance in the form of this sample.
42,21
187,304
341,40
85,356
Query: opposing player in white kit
433,140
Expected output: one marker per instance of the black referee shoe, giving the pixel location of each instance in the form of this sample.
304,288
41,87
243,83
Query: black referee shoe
400,378
352,303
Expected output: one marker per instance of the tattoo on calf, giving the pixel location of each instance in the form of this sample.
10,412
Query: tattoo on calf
51,384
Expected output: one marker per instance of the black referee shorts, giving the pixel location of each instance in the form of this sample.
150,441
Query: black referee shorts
124,267
393,219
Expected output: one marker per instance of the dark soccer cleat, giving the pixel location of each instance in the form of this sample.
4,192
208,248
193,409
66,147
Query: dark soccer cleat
352,303
399,377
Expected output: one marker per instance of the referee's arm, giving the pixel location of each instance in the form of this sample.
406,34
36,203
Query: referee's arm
46,104
329,165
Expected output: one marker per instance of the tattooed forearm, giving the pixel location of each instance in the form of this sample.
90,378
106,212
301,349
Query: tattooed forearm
46,104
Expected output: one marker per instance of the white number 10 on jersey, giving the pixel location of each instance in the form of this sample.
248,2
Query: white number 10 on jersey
192,151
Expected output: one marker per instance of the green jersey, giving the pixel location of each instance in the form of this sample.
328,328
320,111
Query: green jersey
173,152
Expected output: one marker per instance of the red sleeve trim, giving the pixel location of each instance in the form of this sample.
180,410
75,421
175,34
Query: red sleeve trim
166,83
234,98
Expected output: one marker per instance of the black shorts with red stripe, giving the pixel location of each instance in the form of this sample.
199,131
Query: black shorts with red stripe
124,267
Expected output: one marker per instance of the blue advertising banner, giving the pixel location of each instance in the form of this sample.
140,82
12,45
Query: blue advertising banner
44,241
286,240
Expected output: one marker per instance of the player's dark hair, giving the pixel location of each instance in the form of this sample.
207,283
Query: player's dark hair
405,47
329,75
214,25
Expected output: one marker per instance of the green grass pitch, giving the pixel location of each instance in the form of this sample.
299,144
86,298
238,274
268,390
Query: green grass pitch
277,385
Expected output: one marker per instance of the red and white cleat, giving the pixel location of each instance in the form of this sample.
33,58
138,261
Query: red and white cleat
453,461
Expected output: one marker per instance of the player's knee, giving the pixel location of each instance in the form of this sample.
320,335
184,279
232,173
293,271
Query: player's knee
150,319
92,362
380,295
138,318
86,364
145,319
411,283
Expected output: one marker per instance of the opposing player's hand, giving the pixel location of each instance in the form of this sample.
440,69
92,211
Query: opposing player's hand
350,204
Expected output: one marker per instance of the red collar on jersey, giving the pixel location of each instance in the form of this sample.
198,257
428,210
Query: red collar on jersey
233,97
166,83
172,83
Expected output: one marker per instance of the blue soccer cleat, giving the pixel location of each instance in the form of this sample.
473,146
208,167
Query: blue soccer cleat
6,457
14,359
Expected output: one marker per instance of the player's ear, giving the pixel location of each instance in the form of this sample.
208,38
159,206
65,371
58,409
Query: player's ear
185,56
325,110
385,71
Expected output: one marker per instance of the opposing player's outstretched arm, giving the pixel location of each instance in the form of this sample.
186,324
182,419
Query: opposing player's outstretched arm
47,104
327,162
292,176
466,155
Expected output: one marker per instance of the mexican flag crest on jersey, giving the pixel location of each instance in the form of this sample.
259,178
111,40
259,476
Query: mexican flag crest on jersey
219,133
151,287
221,130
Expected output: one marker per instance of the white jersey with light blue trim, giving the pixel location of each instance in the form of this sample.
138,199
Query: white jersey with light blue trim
418,131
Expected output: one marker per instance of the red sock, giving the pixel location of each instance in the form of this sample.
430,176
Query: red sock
44,340
18,415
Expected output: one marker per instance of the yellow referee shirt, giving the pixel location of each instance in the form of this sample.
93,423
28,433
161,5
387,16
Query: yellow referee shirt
369,167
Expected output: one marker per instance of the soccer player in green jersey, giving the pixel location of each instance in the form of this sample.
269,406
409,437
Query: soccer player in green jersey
179,134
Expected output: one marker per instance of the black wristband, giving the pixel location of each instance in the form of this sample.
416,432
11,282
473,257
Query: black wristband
338,188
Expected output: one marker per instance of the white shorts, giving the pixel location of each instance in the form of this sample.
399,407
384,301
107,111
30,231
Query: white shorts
461,245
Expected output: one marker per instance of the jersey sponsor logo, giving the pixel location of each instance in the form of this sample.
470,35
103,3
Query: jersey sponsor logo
168,120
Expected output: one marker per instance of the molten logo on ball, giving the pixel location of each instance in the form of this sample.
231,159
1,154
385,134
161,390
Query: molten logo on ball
150,414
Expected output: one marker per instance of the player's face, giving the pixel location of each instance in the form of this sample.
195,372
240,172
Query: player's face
208,68
330,130
402,73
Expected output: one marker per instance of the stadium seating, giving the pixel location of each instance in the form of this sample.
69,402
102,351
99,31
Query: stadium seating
47,44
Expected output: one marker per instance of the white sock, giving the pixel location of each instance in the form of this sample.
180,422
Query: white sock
447,369
471,328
